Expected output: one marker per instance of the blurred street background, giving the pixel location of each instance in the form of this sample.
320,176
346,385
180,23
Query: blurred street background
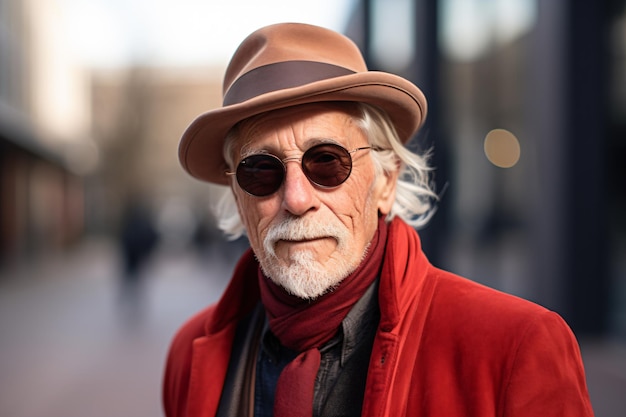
107,246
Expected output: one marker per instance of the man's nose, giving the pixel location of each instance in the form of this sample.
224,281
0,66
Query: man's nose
299,194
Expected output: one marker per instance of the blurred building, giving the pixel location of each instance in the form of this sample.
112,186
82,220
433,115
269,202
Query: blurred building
139,115
78,145
44,142
527,121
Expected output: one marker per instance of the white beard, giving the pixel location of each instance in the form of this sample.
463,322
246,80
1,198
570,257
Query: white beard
302,275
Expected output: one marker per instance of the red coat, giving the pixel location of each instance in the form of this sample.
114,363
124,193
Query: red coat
445,346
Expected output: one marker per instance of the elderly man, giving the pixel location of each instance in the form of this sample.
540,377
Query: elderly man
335,310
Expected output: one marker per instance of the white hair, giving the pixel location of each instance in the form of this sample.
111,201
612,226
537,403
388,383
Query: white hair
415,193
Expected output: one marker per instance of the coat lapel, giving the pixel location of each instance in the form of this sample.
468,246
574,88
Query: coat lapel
209,364
403,288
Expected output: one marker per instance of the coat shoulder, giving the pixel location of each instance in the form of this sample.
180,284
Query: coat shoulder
505,352
192,329
178,365
465,301
464,314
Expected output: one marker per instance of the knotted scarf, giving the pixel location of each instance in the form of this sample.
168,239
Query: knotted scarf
304,326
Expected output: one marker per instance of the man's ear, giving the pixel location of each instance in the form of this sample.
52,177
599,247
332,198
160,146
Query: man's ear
386,189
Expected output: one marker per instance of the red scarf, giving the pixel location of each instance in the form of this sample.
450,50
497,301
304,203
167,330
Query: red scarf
304,326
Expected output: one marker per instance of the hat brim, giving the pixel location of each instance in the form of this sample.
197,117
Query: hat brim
201,147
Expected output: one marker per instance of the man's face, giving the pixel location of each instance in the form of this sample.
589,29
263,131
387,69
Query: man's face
308,238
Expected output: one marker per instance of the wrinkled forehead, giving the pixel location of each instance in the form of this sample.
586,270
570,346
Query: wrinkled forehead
246,134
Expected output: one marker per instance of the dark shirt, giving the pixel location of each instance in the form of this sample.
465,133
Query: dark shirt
340,382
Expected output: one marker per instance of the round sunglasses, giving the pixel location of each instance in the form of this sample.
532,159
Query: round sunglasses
326,165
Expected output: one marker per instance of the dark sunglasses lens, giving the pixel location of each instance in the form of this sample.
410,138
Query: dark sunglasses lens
327,165
260,175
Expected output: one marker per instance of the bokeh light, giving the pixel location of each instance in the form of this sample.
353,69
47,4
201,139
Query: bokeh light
502,148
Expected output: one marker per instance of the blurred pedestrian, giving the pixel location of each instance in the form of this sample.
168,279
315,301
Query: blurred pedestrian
138,240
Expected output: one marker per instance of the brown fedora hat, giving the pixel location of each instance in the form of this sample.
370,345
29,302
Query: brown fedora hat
285,65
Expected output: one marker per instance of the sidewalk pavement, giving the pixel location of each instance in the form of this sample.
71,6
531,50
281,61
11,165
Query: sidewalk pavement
74,345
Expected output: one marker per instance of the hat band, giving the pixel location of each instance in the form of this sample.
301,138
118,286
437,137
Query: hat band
279,76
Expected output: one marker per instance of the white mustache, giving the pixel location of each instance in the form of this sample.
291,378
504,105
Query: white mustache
298,228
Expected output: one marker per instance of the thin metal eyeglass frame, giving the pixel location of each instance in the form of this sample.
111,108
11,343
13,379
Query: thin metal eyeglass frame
299,159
